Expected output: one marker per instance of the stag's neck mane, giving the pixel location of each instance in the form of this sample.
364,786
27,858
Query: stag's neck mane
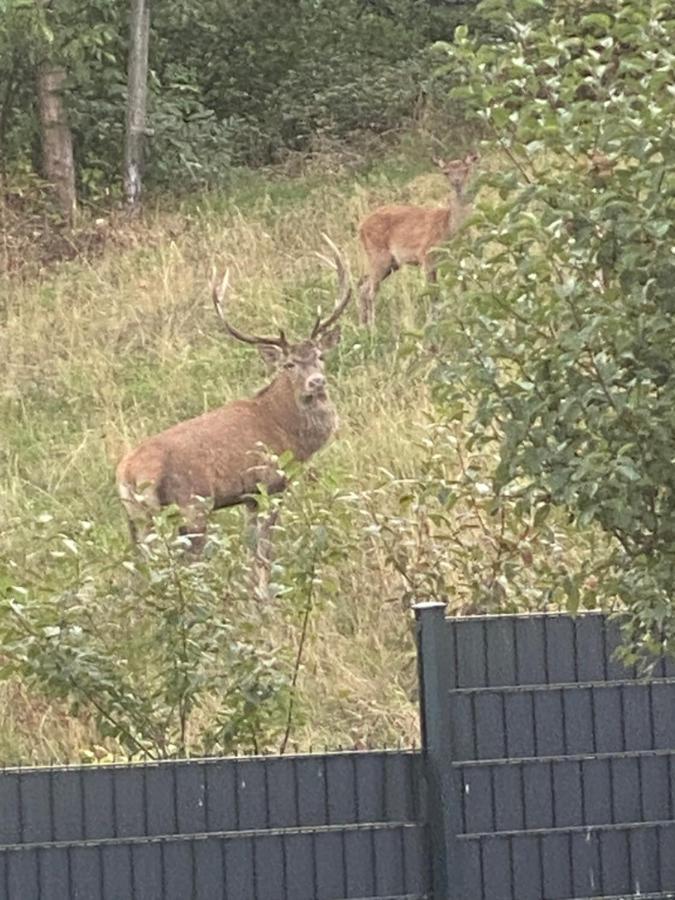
308,427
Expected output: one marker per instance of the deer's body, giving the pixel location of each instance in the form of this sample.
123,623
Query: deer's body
396,235
223,457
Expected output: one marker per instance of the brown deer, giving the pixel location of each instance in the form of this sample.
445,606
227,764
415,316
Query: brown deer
393,236
223,457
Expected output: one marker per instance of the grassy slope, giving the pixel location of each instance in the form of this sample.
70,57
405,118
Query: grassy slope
99,354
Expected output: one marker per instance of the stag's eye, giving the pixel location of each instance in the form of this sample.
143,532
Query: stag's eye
289,365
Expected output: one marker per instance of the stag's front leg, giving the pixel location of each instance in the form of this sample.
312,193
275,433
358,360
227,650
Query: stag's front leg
261,525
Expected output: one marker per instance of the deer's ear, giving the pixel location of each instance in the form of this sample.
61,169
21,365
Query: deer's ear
439,162
271,355
331,338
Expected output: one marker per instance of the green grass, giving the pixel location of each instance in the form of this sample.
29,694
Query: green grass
99,354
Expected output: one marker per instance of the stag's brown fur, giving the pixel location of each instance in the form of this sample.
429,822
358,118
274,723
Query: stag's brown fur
221,458
397,235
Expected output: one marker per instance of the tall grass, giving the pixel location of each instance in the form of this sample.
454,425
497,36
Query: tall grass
98,354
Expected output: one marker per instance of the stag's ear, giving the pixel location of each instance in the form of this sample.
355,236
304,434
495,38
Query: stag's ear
331,338
271,355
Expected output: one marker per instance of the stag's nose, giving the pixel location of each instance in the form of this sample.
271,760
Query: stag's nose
316,382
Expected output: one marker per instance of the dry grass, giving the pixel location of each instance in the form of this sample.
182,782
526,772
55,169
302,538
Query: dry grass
99,353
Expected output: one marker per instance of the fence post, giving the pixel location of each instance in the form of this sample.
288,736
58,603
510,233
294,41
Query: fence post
434,665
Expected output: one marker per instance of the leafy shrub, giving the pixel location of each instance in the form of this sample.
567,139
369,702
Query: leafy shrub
564,365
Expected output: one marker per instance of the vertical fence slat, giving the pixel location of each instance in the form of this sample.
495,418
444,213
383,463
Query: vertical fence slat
10,811
370,785
341,789
555,863
208,870
251,794
501,652
238,869
311,791
626,795
614,862
644,855
299,868
36,814
147,867
116,881
23,875
531,647
358,855
129,802
508,803
67,806
330,874
519,724
190,798
160,800
221,789
54,873
597,780
527,869
98,805
567,790
269,866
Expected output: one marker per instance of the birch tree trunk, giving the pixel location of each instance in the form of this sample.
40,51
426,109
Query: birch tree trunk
57,140
139,27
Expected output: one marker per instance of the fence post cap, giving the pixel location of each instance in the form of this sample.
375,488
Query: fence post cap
429,606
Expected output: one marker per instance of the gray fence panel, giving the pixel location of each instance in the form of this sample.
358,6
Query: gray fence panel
564,792
565,864
538,649
333,864
562,720
94,803
10,808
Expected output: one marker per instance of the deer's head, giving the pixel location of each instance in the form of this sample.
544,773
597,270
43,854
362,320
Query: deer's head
300,364
458,171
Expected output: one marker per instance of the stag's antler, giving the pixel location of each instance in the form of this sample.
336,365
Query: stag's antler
344,289
219,290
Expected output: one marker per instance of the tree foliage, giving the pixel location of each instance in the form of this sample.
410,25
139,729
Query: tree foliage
231,83
564,369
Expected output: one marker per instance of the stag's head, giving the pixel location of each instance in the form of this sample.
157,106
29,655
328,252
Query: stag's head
300,364
458,171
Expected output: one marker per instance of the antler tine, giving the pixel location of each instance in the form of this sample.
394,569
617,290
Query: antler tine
344,288
218,293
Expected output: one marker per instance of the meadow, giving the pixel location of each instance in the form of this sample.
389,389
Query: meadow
99,352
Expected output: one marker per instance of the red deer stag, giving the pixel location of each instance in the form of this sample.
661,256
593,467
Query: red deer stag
393,236
221,458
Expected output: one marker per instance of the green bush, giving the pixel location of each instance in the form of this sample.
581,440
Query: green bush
563,367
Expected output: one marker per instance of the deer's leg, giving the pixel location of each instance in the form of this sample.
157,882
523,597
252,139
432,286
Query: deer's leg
195,531
261,533
381,266
429,265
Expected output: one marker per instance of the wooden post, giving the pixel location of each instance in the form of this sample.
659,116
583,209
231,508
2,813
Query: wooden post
434,666
139,29
57,140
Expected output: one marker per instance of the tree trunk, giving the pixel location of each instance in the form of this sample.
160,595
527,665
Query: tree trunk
139,27
57,140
